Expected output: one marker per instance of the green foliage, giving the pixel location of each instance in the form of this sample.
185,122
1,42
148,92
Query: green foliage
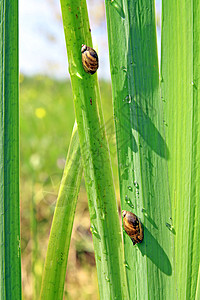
95,156
59,241
180,69
158,159
142,151
158,138
10,259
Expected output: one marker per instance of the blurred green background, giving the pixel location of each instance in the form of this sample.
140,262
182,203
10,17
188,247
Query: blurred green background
46,122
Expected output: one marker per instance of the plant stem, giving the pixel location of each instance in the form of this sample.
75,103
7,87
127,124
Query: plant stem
105,225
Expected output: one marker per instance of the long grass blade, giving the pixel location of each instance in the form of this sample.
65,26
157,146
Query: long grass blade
180,69
60,236
10,256
142,151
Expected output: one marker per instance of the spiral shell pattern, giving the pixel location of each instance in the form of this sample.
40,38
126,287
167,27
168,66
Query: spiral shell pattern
132,226
89,59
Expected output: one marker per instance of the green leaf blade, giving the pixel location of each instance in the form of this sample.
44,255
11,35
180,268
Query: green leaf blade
59,241
180,72
142,151
10,261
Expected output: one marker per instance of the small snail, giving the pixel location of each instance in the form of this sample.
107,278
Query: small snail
89,59
132,226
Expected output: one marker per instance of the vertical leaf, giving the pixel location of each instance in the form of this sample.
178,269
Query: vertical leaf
180,91
142,151
10,284
59,241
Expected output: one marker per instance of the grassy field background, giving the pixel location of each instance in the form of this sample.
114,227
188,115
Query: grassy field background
46,122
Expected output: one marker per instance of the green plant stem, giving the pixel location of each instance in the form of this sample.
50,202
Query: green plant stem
10,256
105,225
60,236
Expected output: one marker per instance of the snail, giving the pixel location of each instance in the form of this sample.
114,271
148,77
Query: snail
132,226
89,59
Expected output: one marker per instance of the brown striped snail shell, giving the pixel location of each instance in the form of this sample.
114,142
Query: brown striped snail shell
89,59
132,226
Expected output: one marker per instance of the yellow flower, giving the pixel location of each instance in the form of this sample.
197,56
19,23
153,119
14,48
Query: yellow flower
40,112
